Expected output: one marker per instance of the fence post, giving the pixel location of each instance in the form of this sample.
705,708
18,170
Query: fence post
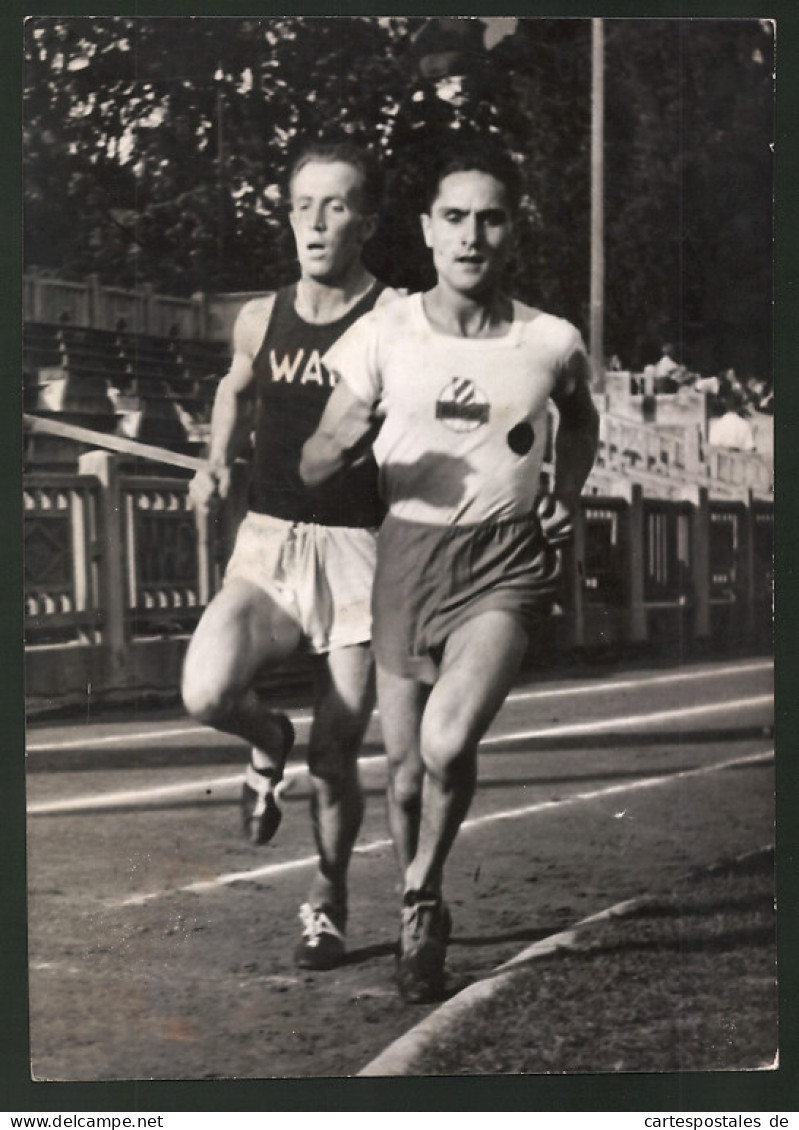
575,562
205,563
105,467
95,312
37,298
146,293
81,558
637,558
747,559
199,302
701,565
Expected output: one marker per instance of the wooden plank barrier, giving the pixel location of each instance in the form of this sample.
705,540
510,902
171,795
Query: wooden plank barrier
42,425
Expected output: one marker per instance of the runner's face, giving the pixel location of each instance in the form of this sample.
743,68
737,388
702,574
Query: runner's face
329,227
469,230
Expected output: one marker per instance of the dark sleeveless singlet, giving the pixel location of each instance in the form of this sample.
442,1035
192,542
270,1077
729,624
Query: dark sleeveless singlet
293,388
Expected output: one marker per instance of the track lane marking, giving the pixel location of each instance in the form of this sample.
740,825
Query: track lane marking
205,885
637,684
304,718
137,736
626,723
158,792
93,802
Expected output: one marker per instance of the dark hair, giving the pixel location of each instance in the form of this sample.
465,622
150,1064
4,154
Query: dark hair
351,154
475,155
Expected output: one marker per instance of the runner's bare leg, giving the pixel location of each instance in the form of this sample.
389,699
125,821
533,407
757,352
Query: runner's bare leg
480,662
345,697
402,702
242,631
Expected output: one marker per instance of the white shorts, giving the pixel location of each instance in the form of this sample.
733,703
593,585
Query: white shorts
321,576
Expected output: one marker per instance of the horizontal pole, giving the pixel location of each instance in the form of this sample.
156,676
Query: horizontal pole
42,425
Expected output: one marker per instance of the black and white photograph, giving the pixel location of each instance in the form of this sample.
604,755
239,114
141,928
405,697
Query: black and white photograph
398,546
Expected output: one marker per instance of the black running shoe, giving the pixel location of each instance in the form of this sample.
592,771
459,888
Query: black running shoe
260,794
422,949
322,945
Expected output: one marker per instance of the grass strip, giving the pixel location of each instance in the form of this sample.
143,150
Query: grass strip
686,982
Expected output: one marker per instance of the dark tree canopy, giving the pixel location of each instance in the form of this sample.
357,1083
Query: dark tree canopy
156,151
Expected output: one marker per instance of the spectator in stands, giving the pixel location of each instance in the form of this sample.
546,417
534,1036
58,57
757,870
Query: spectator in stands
667,371
646,383
759,395
731,429
302,568
666,364
709,385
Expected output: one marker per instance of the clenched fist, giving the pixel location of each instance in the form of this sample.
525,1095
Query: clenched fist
556,520
208,485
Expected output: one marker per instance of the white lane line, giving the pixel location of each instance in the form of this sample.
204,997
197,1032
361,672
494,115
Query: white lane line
163,792
204,885
636,684
98,742
303,717
603,725
218,881
137,736
155,793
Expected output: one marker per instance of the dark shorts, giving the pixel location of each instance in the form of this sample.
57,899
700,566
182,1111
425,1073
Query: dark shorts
431,579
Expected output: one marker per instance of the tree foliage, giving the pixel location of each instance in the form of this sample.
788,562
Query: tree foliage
156,150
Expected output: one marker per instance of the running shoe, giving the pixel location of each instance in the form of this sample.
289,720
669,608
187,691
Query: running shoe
260,794
322,945
425,930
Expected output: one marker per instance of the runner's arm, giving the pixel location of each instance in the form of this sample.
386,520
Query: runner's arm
348,425
578,431
231,415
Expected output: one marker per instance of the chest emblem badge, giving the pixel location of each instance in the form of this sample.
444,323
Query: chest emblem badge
462,406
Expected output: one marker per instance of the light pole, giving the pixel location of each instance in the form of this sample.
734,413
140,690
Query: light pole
220,170
597,343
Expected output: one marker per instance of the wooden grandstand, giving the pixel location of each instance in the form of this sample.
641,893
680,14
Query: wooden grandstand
155,389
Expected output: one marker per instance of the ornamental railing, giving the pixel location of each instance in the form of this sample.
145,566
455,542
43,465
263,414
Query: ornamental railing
116,563
63,553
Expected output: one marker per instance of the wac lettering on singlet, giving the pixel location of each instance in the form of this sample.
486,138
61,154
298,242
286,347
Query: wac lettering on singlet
288,368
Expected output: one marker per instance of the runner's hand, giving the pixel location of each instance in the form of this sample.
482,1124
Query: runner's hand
556,520
207,485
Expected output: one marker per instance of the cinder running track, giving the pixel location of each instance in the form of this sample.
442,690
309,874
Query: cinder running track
161,942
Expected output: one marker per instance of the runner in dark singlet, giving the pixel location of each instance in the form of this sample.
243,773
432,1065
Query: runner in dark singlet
303,564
